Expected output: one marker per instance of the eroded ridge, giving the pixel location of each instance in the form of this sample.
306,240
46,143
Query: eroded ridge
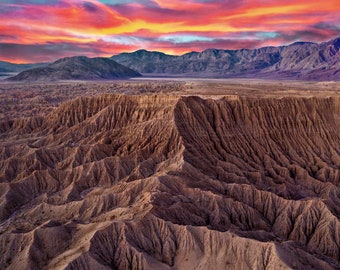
161,182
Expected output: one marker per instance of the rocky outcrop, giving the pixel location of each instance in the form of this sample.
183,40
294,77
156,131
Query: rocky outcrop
163,182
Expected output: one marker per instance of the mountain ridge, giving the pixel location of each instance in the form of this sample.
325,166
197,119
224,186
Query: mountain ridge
77,68
299,60
12,67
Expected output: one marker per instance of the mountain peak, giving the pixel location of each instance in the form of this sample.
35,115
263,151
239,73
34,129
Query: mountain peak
336,42
77,68
70,58
301,43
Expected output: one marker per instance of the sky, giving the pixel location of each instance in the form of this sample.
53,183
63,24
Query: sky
45,30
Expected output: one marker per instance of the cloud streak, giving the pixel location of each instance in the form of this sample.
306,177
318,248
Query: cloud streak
41,30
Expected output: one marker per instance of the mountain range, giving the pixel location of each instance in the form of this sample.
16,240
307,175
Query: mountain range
300,60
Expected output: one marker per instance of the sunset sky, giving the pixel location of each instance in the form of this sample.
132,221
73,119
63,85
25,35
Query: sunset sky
45,30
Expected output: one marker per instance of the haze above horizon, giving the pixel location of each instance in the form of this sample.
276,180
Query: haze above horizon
43,31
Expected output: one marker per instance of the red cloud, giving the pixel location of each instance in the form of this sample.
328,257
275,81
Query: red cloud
98,29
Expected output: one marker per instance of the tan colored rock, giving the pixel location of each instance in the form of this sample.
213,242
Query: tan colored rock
167,182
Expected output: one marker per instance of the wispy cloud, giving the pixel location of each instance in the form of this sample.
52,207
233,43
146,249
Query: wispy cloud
41,30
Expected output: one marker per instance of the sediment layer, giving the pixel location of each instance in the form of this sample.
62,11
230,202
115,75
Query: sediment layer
162,182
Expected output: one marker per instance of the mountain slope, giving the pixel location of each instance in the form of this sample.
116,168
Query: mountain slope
10,67
162,182
301,60
77,68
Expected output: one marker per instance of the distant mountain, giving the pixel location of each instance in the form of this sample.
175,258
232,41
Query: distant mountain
11,67
146,61
77,68
300,60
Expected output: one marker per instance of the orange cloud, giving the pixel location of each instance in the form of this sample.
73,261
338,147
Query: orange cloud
169,26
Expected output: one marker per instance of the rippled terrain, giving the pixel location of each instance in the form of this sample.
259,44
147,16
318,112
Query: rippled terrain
136,176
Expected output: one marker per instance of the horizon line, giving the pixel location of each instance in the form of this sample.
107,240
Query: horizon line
169,54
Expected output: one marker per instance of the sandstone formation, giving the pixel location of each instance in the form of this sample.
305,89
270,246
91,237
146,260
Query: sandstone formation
77,68
300,60
167,182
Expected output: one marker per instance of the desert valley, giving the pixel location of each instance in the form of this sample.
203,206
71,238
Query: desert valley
169,135
165,173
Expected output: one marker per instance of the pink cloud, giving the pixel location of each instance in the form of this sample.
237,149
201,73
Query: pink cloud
97,29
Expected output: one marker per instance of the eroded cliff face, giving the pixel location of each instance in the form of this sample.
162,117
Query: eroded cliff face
161,182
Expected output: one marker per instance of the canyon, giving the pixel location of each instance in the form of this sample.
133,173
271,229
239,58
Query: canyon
177,174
